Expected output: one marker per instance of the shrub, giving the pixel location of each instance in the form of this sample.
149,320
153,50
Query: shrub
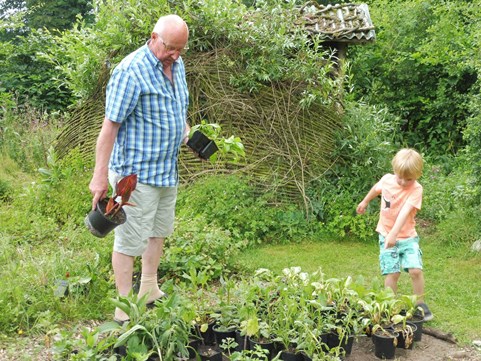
232,204
201,246
363,152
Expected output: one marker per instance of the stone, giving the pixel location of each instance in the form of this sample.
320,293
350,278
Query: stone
476,247
458,355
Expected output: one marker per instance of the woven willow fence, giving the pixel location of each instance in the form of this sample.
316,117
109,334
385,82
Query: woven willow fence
286,146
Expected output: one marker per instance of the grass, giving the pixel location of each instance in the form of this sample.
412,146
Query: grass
453,275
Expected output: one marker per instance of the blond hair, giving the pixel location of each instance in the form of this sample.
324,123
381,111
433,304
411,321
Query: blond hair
408,164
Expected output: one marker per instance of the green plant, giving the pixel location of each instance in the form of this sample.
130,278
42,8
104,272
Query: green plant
226,317
378,308
201,298
234,204
258,353
364,147
230,148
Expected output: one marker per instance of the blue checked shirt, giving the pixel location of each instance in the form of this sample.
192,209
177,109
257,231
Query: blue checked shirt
152,113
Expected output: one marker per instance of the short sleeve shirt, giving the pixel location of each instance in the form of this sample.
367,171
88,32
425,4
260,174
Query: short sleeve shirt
393,198
152,112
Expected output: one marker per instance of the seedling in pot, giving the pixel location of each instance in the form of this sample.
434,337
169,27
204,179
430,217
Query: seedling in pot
123,189
205,140
109,212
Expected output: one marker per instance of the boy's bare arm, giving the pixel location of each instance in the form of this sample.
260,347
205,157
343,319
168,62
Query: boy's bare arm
373,193
400,221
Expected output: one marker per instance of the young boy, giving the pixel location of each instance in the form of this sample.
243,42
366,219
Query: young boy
401,198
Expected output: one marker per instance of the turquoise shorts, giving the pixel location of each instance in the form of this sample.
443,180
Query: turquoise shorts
404,255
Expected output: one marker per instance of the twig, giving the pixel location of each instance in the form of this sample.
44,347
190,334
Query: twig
439,335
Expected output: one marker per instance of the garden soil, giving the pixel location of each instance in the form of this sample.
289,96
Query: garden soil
428,349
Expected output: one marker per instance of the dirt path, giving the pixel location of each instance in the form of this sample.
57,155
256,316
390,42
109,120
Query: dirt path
428,349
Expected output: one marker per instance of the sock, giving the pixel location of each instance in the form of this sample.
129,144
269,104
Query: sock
148,285
120,315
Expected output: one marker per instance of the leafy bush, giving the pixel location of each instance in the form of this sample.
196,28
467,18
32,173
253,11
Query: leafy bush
472,136
200,246
30,281
232,204
451,195
26,74
444,190
63,192
268,51
364,149
423,66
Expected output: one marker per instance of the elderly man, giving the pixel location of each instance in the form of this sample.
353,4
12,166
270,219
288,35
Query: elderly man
144,126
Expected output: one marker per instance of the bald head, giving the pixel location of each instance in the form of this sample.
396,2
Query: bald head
172,27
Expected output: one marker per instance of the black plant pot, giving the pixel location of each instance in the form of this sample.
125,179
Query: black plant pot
265,344
418,321
242,341
202,145
208,337
401,340
345,344
100,225
385,344
193,346
305,356
209,353
221,334
324,340
291,355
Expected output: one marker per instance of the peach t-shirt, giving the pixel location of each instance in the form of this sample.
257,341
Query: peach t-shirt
393,198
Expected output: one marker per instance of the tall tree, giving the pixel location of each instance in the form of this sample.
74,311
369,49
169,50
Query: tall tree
422,68
56,14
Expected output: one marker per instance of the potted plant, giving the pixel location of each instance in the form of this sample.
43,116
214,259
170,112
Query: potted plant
206,141
259,335
377,308
405,330
385,342
109,212
414,314
203,321
225,325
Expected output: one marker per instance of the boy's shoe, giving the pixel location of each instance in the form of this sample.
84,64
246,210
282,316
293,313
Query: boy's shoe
428,315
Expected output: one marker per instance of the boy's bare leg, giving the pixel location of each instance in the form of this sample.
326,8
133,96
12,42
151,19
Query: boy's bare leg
391,281
123,266
417,278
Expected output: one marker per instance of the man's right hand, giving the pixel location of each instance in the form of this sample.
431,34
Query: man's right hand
99,187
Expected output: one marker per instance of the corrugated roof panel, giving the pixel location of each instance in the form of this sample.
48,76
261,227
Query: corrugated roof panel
341,22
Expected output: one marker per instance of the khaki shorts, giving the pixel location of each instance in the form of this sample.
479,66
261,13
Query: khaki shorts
152,216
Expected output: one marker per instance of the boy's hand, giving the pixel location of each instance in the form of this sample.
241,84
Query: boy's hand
361,208
390,241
